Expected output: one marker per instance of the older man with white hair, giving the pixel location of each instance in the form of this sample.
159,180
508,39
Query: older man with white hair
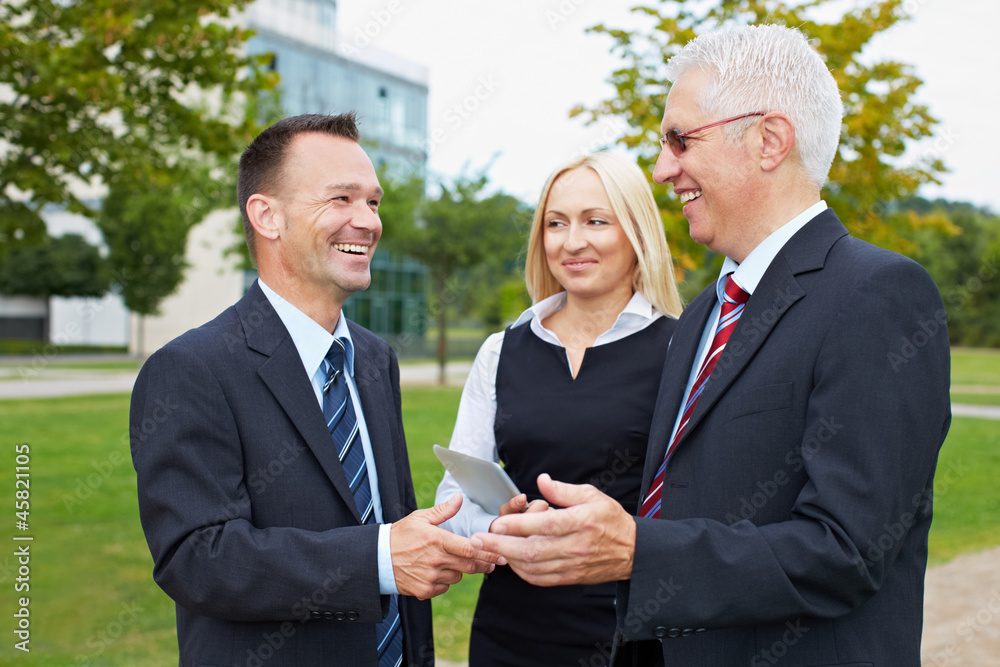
802,406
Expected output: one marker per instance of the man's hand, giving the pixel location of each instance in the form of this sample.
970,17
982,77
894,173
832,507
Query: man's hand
426,560
592,540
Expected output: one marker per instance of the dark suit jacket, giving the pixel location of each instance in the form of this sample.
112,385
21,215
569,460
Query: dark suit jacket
797,504
246,509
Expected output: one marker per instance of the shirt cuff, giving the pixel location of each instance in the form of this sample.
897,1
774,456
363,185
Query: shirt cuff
480,523
386,577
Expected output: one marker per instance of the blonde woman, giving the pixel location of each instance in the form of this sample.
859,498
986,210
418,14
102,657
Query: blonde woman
569,390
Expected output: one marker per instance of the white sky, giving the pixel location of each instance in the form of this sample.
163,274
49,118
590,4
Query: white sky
517,72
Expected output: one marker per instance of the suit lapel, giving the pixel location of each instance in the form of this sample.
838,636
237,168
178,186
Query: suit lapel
283,374
777,291
774,295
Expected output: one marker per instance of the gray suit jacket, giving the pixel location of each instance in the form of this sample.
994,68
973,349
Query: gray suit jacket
246,509
797,504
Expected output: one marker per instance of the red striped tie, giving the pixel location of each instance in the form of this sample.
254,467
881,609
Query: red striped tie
734,298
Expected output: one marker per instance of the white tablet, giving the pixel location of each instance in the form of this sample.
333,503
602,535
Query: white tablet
484,482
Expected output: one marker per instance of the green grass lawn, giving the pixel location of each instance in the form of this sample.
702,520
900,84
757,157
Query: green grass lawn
975,376
975,366
93,601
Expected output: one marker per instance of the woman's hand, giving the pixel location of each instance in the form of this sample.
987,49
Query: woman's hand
519,504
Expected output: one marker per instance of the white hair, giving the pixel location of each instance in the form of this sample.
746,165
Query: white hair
769,68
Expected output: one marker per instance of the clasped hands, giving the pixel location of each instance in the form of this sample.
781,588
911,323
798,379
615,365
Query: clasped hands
590,540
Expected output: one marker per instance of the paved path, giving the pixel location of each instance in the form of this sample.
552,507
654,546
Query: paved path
31,381
980,411
28,380
962,612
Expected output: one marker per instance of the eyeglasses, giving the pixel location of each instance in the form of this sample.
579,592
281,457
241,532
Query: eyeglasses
675,139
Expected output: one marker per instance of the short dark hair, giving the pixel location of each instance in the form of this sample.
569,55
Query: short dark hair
262,161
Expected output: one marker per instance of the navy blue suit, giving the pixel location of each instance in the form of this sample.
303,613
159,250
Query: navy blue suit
246,508
796,507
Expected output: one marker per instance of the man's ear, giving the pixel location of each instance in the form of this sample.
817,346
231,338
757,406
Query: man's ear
263,215
778,134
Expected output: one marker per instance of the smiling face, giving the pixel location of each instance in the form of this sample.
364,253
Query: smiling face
586,248
326,218
713,178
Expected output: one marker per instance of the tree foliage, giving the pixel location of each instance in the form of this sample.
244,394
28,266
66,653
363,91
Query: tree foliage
965,266
145,220
63,266
99,88
881,126
460,229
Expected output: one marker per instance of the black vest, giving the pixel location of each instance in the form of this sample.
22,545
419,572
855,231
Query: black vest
589,430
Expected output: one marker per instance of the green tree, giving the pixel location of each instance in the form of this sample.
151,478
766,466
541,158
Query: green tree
99,88
145,220
461,228
62,266
882,119
965,266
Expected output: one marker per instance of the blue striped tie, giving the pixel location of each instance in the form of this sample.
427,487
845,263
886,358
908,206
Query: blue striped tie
338,408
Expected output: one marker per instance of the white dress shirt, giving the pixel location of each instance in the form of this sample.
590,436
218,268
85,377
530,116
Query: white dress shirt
477,410
747,275
313,342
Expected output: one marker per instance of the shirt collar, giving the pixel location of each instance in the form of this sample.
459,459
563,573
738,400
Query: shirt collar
311,340
749,273
637,307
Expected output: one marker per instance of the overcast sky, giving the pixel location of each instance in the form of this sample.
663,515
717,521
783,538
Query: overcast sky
504,75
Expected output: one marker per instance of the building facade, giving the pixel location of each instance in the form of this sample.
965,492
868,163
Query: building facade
324,71
321,72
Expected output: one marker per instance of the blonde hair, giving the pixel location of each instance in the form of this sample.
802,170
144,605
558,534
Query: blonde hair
634,206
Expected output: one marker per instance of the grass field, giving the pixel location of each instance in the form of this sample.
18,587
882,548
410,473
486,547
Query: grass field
93,601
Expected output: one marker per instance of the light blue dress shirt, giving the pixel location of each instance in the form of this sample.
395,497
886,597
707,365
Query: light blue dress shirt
747,275
312,342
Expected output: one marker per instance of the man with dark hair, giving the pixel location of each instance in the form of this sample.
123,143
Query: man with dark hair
274,487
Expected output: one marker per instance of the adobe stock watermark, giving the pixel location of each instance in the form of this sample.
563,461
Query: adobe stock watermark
462,110
621,463
654,603
112,632
966,630
260,479
86,486
911,6
960,296
942,143
773,654
896,530
612,128
302,611
88,310
562,12
910,345
795,460
378,21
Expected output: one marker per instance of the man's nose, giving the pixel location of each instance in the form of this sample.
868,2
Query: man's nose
667,166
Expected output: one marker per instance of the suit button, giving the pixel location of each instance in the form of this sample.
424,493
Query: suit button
339,616
316,614
699,631
687,632
327,615
660,632
352,616
674,633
